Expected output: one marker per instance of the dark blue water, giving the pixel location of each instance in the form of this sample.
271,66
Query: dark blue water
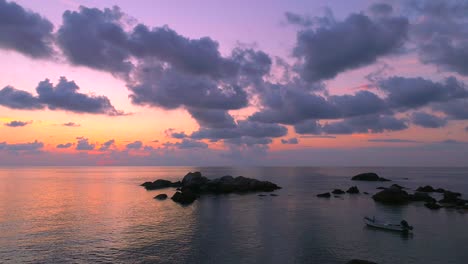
100,214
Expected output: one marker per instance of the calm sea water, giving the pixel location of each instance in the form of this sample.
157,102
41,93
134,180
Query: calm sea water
100,214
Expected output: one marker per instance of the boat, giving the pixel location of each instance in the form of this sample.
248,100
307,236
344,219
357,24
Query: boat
401,227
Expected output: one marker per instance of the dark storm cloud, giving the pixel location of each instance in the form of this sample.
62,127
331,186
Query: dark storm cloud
32,146
427,120
134,145
106,145
71,124
308,127
416,92
355,42
441,33
83,144
212,118
17,123
17,99
291,141
65,96
95,38
64,146
24,31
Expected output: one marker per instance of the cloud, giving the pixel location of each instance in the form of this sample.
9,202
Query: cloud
212,118
96,39
106,145
134,145
393,140
17,123
308,127
249,141
365,124
456,109
24,31
427,120
291,141
381,9
407,93
64,146
441,34
32,146
71,124
17,99
83,144
187,144
178,135
355,42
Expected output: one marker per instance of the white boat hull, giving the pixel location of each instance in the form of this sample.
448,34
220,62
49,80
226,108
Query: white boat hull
387,226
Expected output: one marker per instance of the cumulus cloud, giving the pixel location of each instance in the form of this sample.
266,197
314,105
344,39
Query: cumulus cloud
107,145
63,96
212,118
355,42
31,146
24,31
407,93
456,109
83,144
17,99
95,38
64,146
427,120
17,123
291,141
365,124
134,145
441,33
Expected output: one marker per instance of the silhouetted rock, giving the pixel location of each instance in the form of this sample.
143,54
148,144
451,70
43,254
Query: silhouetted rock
184,197
273,194
439,190
338,191
353,190
421,197
432,205
161,196
391,196
368,176
397,186
262,195
160,184
426,188
451,198
194,180
381,188
360,261
365,193
324,195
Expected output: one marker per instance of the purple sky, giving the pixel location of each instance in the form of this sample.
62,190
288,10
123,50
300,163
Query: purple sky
335,83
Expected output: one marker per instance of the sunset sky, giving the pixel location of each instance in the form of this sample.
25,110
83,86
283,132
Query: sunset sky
319,83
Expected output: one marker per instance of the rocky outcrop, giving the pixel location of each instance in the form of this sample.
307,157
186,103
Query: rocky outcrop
433,205
392,196
160,184
353,190
421,197
161,196
368,176
452,198
324,195
426,188
194,184
338,191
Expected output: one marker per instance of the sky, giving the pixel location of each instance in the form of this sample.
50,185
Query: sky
218,83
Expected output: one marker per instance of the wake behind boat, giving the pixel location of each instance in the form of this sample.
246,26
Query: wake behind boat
402,227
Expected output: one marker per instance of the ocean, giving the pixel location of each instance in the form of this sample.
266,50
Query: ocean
102,215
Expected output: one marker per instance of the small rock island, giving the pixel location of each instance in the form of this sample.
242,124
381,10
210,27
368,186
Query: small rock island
195,184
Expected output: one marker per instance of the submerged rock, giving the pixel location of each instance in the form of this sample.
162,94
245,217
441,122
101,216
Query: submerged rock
391,196
353,190
160,184
368,176
432,205
324,195
161,196
338,191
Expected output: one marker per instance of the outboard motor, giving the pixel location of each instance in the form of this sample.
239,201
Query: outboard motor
405,225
